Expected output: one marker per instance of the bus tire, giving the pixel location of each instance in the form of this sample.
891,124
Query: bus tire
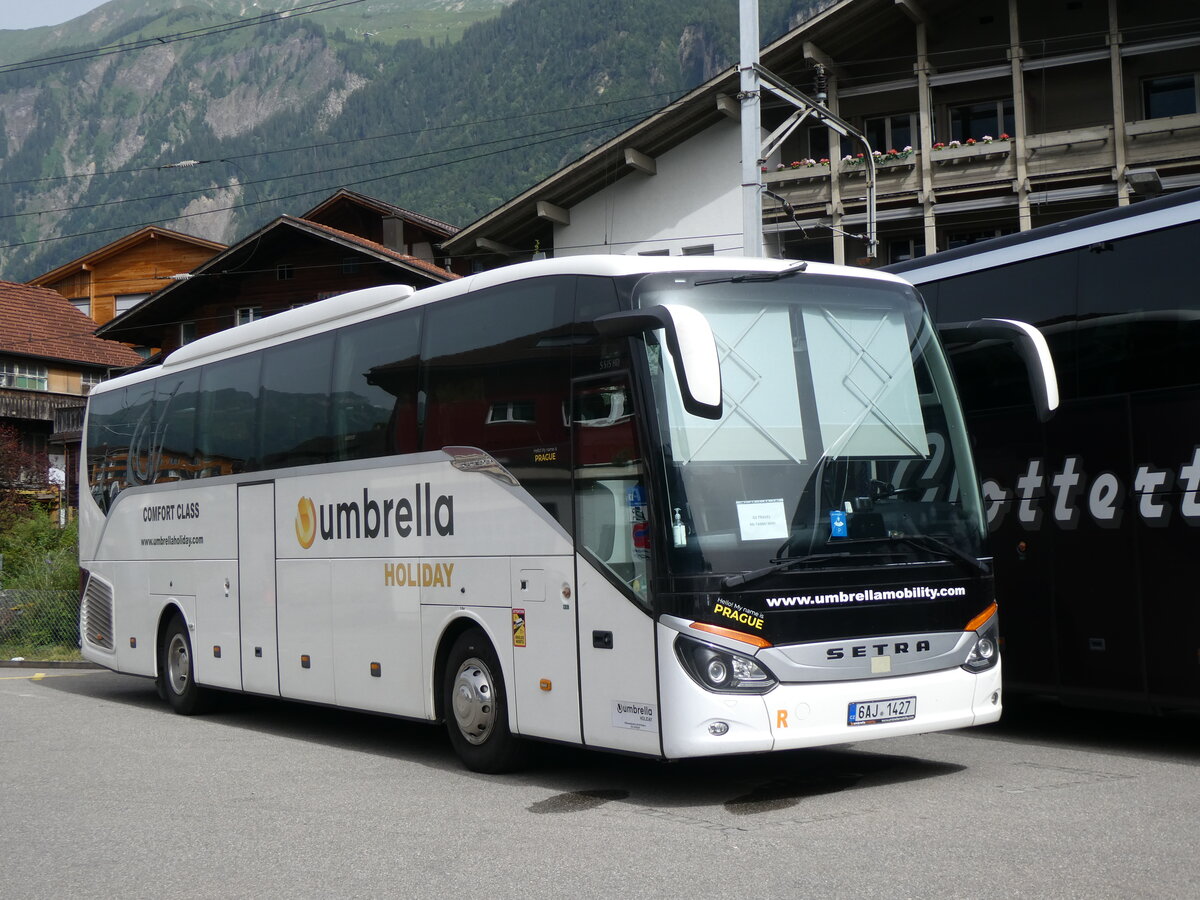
176,675
475,704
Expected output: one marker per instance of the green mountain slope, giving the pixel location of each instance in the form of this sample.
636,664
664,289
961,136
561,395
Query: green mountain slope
281,114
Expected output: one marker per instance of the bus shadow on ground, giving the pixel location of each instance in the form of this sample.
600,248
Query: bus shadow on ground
583,779
740,785
1047,721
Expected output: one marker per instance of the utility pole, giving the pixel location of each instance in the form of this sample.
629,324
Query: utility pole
752,241
754,80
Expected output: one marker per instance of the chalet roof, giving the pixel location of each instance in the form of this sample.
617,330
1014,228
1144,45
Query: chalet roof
377,249
149,233
380,206
848,29
38,322
137,324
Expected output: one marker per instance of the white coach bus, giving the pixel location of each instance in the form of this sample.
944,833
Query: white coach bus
657,506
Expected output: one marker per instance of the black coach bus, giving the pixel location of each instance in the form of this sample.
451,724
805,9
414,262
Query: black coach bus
1094,514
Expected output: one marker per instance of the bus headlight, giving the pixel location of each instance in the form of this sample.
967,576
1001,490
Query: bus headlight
986,652
720,670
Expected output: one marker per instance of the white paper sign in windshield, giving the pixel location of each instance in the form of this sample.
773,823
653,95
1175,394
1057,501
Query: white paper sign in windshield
761,520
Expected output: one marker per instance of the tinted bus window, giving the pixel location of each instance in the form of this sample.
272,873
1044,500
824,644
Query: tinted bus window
1040,291
294,418
1139,316
497,365
226,423
497,377
175,399
109,431
375,387
137,423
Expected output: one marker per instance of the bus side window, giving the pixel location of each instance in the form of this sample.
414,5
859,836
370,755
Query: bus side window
294,408
107,446
227,416
175,400
375,387
990,375
137,425
497,367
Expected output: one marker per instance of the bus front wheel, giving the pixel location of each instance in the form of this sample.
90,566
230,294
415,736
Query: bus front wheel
176,676
476,706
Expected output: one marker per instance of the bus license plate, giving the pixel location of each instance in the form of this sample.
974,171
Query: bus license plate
876,712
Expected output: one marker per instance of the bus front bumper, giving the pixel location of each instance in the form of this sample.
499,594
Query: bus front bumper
698,722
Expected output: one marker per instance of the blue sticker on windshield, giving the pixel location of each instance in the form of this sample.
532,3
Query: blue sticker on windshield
634,496
837,523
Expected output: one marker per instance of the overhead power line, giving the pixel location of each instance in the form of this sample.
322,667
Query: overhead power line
143,43
669,95
579,131
565,131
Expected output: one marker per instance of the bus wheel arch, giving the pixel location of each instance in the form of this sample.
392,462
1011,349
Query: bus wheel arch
473,700
176,679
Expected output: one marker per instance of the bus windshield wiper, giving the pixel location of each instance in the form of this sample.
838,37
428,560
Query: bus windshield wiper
925,542
793,269
779,565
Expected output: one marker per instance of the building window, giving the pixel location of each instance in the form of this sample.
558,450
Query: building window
976,120
26,375
886,133
247,314
700,250
963,238
83,304
285,272
902,249
1169,95
818,144
187,332
126,302
89,380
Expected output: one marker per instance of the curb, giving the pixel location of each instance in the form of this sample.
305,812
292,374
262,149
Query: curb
54,664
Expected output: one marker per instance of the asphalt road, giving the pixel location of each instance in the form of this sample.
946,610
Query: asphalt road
105,793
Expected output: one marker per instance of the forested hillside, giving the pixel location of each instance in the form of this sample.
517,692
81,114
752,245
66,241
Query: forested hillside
281,114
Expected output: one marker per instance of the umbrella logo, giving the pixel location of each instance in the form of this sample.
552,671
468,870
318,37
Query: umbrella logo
306,522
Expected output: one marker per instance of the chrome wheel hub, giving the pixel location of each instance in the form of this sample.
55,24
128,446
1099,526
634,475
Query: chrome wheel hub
177,664
473,701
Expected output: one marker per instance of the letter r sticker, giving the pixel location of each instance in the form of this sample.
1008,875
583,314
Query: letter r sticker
781,718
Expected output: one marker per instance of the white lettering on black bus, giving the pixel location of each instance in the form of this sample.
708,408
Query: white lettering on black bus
1068,491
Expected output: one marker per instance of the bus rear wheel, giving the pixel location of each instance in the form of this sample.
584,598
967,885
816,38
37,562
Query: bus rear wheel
176,676
476,706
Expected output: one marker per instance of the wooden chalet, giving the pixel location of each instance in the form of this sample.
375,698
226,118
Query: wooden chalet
49,360
116,277
289,262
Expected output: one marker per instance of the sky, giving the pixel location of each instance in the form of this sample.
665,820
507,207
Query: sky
26,14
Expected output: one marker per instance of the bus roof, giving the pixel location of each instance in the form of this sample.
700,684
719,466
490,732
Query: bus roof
358,305
1109,225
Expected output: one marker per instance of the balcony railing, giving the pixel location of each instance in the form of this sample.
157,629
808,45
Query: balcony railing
1087,152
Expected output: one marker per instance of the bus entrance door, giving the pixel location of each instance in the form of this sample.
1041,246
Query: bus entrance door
256,588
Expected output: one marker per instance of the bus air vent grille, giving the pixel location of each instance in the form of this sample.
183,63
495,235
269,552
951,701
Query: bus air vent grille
98,613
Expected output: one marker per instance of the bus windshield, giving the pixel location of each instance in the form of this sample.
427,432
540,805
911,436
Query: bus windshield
840,435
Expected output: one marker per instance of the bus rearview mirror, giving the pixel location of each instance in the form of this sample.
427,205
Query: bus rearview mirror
1029,344
692,347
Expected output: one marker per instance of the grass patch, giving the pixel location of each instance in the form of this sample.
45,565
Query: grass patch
40,653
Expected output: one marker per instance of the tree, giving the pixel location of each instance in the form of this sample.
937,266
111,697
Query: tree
24,474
